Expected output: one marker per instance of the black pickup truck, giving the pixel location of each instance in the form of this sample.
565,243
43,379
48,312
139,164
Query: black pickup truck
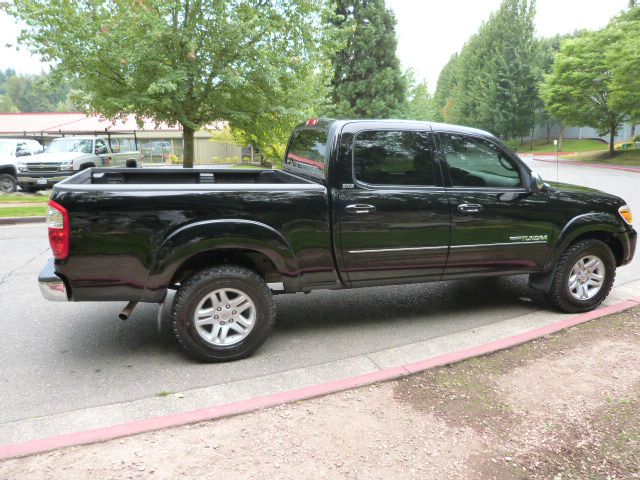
358,203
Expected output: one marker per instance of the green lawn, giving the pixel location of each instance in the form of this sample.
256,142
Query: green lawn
39,211
627,157
23,197
568,145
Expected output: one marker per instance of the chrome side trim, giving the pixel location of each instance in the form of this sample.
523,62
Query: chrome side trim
407,249
498,244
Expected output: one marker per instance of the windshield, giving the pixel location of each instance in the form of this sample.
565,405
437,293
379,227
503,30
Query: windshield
71,145
6,148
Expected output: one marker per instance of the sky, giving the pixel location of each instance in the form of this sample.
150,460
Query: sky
429,31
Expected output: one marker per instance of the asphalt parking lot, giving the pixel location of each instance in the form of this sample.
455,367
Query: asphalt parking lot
79,362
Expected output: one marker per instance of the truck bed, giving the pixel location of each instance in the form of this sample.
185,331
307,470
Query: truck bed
126,223
180,176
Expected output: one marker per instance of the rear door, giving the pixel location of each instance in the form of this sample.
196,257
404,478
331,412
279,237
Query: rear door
392,215
497,225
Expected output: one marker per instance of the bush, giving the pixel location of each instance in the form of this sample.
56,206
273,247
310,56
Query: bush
174,160
512,144
626,146
636,138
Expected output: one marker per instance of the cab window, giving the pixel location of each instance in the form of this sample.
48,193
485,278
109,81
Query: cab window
22,150
476,162
101,147
389,157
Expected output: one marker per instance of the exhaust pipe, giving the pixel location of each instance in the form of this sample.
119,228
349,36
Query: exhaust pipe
126,311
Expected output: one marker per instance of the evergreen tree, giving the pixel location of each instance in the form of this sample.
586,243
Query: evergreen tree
367,82
445,95
494,82
419,103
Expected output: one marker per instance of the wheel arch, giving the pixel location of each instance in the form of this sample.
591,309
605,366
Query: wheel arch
8,170
599,226
199,245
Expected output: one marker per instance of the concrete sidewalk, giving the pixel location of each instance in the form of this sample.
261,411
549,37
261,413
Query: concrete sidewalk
127,418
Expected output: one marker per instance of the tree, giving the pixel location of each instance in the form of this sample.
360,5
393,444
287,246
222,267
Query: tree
492,84
187,62
623,57
367,80
446,89
594,80
33,93
419,104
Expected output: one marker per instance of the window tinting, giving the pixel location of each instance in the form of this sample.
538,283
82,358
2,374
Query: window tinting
307,150
474,162
389,157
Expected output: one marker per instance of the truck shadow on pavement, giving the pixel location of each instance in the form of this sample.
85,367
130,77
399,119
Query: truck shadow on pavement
382,316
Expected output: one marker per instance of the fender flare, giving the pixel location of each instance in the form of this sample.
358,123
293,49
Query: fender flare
578,226
210,235
9,169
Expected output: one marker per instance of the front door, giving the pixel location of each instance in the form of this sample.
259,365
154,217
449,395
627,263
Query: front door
393,220
497,224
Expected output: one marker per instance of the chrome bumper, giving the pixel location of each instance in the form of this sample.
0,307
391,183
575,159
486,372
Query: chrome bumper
32,179
51,285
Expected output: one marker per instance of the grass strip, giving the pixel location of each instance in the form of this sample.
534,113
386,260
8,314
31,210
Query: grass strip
39,211
18,198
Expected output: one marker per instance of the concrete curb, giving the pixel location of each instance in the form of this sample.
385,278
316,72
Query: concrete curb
244,406
14,220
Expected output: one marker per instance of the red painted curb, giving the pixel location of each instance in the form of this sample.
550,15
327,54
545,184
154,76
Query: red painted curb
244,406
592,165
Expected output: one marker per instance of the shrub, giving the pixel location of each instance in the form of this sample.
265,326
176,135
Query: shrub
512,144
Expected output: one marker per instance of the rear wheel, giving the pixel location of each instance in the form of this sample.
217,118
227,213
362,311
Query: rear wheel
223,313
8,183
584,276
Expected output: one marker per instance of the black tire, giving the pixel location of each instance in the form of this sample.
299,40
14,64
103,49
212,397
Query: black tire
559,294
8,183
198,287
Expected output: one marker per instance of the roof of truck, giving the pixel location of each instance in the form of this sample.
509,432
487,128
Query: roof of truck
435,126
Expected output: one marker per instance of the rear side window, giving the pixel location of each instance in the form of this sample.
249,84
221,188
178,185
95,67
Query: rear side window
475,162
307,150
394,157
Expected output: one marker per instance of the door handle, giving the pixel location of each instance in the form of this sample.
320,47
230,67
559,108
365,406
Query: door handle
360,208
469,207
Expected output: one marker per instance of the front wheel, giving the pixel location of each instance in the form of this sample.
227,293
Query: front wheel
584,276
223,313
8,183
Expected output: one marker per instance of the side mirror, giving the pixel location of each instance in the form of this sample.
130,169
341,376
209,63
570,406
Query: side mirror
536,184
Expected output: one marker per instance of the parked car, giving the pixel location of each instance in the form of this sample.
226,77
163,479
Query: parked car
358,203
68,155
12,149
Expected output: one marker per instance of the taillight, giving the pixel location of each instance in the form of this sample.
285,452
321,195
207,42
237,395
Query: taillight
312,122
58,224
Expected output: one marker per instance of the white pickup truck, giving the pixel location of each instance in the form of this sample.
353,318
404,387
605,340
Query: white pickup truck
68,155
12,150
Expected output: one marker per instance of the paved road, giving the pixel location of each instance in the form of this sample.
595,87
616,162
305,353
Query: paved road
57,358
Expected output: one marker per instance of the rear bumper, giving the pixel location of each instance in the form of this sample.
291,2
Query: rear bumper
52,287
33,179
